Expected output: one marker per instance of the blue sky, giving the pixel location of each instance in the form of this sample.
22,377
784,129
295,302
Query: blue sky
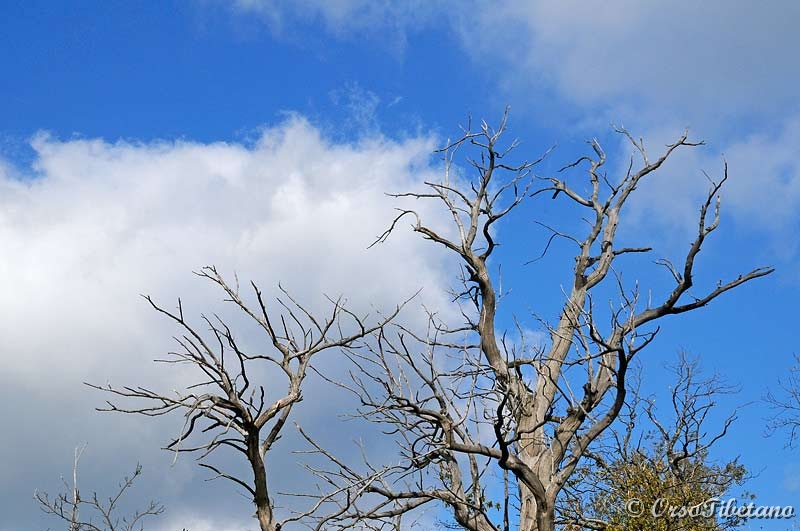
140,141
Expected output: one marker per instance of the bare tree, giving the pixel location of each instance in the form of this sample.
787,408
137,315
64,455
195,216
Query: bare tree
786,405
477,414
225,407
661,460
102,512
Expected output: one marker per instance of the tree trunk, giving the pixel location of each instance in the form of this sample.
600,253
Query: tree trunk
266,520
535,516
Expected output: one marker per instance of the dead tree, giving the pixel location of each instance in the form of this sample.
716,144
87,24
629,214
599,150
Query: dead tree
476,414
659,457
228,407
72,508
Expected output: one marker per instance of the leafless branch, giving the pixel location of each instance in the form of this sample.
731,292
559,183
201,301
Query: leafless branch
466,410
72,508
228,407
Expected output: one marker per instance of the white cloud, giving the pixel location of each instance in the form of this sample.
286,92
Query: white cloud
103,222
97,223
703,60
765,176
762,192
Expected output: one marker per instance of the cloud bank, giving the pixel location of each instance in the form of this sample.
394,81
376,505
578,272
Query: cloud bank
93,224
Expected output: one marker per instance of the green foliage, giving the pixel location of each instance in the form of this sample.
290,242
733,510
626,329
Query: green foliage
658,476
662,494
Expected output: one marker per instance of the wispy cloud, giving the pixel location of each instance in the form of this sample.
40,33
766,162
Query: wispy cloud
383,20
